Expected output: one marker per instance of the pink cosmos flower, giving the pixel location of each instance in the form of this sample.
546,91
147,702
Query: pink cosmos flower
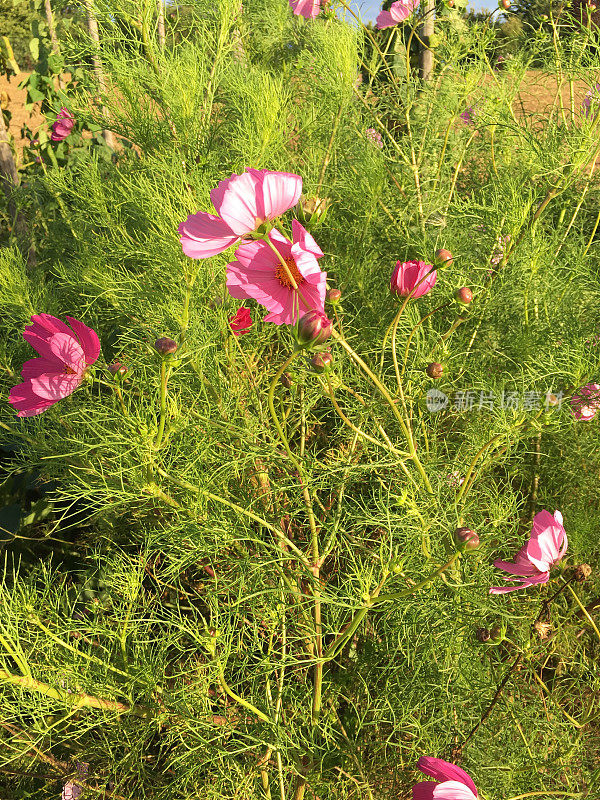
453,783
592,97
241,322
65,356
546,546
399,11
410,275
498,254
468,116
306,8
374,137
259,274
243,203
62,127
586,402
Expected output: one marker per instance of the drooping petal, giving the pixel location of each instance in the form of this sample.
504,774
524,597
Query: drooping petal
523,583
88,339
204,235
442,771
235,200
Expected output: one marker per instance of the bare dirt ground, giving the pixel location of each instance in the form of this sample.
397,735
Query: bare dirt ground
20,116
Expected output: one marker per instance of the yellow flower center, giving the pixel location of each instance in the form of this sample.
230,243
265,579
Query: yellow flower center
284,278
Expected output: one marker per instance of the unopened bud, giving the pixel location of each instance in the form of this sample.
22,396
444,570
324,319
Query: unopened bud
466,539
165,346
582,573
505,4
334,296
483,635
464,295
496,633
444,256
435,370
117,369
314,328
312,210
551,399
321,362
286,380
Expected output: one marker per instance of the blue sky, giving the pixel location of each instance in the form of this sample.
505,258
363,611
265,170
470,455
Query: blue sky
370,8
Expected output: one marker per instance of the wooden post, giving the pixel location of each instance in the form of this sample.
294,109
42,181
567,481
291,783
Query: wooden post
9,180
161,24
92,23
426,54
53,37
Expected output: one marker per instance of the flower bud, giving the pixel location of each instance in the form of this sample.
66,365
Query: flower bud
505,4
286,380
483,635
117,369
321,362
165,346
464,295
496,633
312,211
466,539
314,328
582,572
444,256
334,296
435,370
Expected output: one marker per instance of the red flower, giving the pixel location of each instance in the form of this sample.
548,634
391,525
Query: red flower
241,322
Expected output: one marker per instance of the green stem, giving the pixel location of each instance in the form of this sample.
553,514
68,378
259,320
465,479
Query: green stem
239,510
240,700
386,395
349,629
164,379
406,592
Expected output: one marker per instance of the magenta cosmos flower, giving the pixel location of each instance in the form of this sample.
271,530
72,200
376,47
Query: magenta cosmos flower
65,356
398,12
241,322
259,274
408,278
306,8
62,127
592,98
452,782
468,116
546,546
586,402
243,203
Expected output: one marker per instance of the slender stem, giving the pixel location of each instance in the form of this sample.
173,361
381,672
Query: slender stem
584,611
406,592
240,510
78,700
240,700
386,395
164,379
